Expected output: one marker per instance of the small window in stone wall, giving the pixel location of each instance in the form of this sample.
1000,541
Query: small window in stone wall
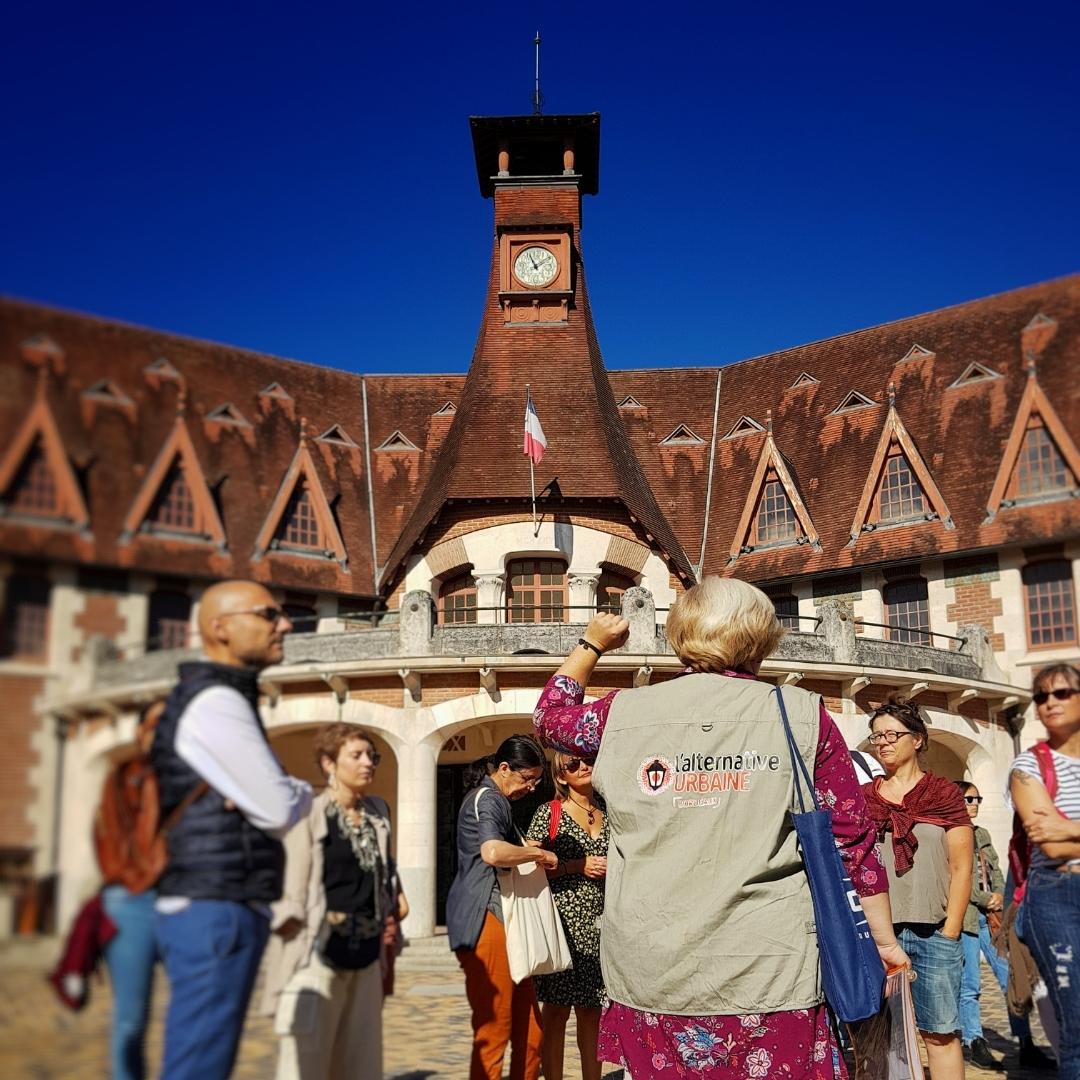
457,600
24,629
170,620
609,593
907,611
787,610
1050,603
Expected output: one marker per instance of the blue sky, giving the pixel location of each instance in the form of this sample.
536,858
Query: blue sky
299,179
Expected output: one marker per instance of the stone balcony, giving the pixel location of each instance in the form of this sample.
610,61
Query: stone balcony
416,641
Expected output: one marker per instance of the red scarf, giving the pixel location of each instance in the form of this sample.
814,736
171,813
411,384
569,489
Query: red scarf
933,801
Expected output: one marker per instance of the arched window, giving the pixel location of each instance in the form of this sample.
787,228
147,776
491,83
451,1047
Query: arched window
1050,604
536,590
907,611
170,617
24,630
609,590
457,600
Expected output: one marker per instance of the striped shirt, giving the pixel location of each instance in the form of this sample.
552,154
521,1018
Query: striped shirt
1068,794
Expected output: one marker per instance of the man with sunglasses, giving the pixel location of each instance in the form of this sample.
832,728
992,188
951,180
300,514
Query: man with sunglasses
225,865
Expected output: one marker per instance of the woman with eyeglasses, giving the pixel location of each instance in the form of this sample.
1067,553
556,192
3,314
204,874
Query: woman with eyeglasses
503,1014
1049,921
986,906
929,858
574,826
325,964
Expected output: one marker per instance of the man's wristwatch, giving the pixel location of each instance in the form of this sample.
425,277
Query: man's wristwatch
589,645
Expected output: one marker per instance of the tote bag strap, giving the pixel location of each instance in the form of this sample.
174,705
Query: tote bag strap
797,764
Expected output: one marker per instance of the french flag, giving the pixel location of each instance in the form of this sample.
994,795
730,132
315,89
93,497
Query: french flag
535,440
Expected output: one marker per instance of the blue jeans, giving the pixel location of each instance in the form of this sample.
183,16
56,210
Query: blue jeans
970,1020
211,951
938,963
130,957
1051,930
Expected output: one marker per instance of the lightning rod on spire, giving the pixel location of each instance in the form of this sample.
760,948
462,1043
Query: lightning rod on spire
537,97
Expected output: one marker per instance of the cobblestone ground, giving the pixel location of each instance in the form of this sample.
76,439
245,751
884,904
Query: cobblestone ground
426,1028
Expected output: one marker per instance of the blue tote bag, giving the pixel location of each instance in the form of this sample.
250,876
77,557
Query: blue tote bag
852,974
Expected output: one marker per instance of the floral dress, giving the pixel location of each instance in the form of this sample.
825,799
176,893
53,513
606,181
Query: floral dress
795,1045
580,901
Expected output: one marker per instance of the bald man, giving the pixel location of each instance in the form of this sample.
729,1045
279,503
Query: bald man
216,769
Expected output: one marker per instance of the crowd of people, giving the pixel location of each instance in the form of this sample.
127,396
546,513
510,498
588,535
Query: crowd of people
688,917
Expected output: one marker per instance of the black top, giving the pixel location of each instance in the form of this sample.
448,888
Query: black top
348,888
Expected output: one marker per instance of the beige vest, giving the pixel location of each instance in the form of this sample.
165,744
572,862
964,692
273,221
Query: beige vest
707,908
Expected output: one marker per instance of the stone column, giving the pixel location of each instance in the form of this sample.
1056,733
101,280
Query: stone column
582,595
837,627
639,607
416,832
490,594
417,622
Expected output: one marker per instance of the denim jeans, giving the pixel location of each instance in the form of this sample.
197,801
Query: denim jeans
211,951
1051,930
130,958
974,946
938,963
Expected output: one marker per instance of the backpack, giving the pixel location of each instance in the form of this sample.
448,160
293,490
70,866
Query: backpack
129,835
1019,845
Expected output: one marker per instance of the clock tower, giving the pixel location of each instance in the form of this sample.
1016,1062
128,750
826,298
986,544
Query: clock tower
537,168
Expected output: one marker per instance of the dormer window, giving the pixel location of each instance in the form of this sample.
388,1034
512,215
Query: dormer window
776,520
901,497
174,507
1040,468
299,526
33,491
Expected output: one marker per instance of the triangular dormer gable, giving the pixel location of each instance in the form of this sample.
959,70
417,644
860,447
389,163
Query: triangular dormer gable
899,489
745,425
682,436
917,352
228,413
774,514
853,400
161,370
175,499
337,435
974,373
276,391
1037,334
445,410
36,477
300,521
630,402
105,393
1041,462
805,379
399,442
41,351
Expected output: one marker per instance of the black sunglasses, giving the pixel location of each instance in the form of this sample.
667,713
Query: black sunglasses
573,765
973,800
1063,693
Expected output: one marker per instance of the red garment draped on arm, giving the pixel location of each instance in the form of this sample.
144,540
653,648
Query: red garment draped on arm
933,801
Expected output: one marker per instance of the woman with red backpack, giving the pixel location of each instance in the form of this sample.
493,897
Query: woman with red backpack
574,826
1045,788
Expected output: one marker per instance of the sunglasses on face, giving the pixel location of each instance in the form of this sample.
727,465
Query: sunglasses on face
1041,697
879,737
573,765
973,800
270,614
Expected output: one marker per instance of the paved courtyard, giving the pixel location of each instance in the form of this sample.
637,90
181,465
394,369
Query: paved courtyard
426,1027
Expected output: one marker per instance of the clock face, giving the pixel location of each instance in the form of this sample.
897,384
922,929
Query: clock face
536,266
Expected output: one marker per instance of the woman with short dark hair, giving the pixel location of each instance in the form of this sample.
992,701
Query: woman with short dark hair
488,842
1049,920
929,859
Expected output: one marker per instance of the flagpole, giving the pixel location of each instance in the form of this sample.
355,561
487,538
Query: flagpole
532,466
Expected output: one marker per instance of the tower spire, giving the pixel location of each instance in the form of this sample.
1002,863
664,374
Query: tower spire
537,97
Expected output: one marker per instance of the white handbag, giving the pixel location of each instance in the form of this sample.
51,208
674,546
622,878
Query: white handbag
535,941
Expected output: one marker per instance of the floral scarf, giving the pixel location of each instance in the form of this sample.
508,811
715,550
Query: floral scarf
364,841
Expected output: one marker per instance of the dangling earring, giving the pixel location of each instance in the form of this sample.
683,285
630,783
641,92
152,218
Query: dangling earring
331,782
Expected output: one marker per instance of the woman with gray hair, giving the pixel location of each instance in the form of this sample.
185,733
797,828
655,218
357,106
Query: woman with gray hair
708,944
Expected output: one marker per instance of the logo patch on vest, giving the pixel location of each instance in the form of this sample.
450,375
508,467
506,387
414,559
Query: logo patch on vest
655,775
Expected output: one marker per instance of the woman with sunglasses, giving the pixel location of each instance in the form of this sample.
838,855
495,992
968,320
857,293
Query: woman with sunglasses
576,817
325,964
929,860
709,946
503,1014
1049,923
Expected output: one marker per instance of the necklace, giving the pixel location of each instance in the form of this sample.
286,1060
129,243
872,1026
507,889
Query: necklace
589,809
